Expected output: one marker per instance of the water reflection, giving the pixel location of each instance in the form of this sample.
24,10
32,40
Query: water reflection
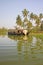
28,49
28,46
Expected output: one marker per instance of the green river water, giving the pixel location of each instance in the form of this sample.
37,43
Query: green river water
21,50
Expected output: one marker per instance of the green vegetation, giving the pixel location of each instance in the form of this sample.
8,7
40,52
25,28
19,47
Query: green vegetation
3,31
38,35
25,22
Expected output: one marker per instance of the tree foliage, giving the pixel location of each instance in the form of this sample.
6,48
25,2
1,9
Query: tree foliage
26,21
18,20
25,12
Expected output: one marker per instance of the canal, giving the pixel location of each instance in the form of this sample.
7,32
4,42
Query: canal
21,50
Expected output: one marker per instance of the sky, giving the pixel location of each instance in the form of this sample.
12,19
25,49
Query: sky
9,9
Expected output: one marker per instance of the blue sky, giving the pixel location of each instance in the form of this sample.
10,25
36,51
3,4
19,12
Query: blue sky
9,9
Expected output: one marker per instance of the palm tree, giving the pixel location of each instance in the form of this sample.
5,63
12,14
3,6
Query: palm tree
37,24
29,25
31,16
18,20
37,21
25,21
25,13
41,26
35,17
40,15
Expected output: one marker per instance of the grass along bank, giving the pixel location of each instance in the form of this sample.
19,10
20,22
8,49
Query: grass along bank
38,35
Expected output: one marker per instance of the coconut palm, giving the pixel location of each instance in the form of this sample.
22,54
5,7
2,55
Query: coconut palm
18,20
25,15
31,16
25,12
40,15
35,17
37,21
29,25
41,26
25,21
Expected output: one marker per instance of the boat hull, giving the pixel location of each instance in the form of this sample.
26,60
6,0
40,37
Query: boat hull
13,33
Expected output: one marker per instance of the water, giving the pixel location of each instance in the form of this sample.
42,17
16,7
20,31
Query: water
21,50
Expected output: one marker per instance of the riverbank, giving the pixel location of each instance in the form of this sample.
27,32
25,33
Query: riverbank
38,35
3,31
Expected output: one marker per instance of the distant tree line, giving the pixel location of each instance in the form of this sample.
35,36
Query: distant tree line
3,31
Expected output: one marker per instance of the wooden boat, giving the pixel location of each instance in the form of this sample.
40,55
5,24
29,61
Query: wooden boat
17,32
